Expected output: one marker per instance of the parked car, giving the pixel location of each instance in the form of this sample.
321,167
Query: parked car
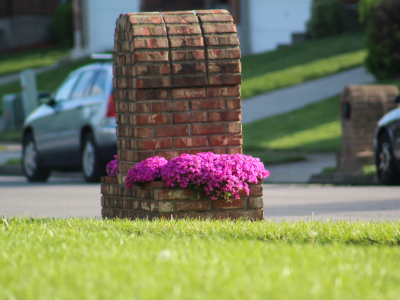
387,147
74,129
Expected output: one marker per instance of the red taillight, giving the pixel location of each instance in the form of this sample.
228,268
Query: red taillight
111,106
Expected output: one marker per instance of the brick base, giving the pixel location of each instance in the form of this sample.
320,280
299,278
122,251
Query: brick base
153,200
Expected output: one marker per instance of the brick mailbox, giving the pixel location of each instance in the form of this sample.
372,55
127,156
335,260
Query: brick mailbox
176,83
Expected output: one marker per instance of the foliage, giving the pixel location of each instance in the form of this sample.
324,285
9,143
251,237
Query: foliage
365,7
383,39
62,27
148,170
327,18
112,167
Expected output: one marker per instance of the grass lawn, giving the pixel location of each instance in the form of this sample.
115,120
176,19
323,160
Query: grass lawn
14,162
94,259
298,63
16,62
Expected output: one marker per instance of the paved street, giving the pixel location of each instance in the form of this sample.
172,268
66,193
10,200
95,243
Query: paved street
69,197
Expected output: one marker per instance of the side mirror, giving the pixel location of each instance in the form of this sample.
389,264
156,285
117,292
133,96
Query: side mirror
44,97
397,99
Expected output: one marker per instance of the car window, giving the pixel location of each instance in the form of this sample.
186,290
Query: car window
65,89
83,85
99,85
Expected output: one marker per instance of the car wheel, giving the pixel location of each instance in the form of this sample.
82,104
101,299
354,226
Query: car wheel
30,165
92,165
385,161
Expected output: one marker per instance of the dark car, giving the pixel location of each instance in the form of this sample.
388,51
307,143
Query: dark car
387,147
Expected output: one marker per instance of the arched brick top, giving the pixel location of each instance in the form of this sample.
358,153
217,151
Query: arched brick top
176,83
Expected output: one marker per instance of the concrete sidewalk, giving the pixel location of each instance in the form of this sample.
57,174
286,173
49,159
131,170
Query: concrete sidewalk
295,97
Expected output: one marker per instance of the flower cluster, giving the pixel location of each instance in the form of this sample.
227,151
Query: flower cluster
219,175
147,170
112,167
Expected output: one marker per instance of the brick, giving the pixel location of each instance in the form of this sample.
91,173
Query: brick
229,140
148,30
235,150
225,116
118,202
143,108
151,95
214,150
142,193
150,144
161,206
193,93
122,107
172,194
223,204
154,184
183,29
184,19
113,180
223,53
153,43
223,92
190,142
231,79
207,129
222,41
214,11
132,215
256,203
122,190
215,215
247,214
177,42
234,127
155,119
188,68
163,69
206,104
233,103
172,131
103,202
216,18
145,19
151,82
192,117
256,190
186,81
224,67
151,56
218,28
188,55
114,190
168,155
170,106
145,155
193,205
143,133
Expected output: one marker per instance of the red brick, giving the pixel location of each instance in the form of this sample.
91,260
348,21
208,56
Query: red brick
222,41
233,103
230,140
161,206
188,68
235,150
216,18
154,43
225,116
193,93
177,42
127,71
214,11
132,215
114,190
215,215
214,150
234,127
172,194
189,81
224,67
193,205
145,155
151,56
223,53
122,107
206,104
163,69
184,19
193,117
143,193
151,94
113,180
170,106
143,108
187,55
218,28
147,30
223,92
154,144
256,203
143,133
155,119
105,189
231,79
256,190
172,131
122,190
184,29
223,204
187,142
154,184
118,202
200,129
152,82
168,155
145,19
247,214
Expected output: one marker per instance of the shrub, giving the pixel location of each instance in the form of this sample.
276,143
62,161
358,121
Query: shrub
62,27
365,7
383,38
327,18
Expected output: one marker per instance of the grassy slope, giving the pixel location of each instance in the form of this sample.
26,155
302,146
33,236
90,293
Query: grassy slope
81,259
301,62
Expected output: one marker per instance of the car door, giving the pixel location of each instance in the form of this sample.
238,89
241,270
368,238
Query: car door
73,116
47,127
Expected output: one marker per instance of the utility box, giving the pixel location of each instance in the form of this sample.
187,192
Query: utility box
13,111
29,91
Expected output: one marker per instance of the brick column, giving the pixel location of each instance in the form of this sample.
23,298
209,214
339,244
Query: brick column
176,87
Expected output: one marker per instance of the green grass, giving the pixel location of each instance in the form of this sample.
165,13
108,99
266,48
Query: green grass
13,136
14,162
16,62
93,259
295,64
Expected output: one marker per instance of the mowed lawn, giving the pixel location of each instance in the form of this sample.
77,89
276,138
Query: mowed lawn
95,259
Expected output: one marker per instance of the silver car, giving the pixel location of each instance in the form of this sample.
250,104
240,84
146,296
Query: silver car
75,129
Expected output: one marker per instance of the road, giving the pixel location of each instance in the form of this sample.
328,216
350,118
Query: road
71,197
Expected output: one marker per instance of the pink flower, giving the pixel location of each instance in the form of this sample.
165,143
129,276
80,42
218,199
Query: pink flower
147,170
112,167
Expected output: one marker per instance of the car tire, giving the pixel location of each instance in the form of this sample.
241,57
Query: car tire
388,174
93,166
32,169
